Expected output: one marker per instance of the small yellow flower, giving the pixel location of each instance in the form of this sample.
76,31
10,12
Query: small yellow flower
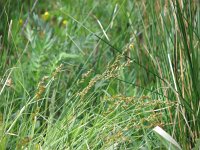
45,16
131,46
21,22
64,22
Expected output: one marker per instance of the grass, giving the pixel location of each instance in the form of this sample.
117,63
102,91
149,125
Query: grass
99,75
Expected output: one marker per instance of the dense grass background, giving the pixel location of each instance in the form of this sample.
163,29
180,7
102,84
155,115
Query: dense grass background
118,74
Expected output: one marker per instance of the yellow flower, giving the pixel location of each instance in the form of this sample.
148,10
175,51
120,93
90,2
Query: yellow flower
131,46
45,16
64,22
21,22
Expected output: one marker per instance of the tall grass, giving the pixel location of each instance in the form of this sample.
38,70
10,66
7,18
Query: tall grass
99,75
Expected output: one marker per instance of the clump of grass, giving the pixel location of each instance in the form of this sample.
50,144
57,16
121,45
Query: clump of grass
128,68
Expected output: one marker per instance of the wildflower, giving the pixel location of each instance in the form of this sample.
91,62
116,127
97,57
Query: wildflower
21,22
64,22
45,16
131,46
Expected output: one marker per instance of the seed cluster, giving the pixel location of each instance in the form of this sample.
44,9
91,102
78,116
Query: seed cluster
110,72
42,85
136,112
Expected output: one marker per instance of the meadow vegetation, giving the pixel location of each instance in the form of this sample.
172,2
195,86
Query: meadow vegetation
89,74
